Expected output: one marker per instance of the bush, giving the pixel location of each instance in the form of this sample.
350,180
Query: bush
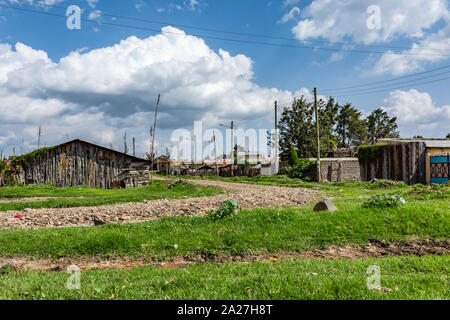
384,201
292,157
434,191
228,209
368,153
304,169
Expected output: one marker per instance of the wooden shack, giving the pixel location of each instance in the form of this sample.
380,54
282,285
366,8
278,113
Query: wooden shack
409,160
78,162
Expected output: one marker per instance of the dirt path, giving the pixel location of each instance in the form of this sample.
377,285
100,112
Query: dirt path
375,249
248,196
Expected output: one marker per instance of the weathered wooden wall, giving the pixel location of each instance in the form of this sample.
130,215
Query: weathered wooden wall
77,163
402,162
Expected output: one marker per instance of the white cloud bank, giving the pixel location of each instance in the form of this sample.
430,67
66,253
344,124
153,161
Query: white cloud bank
103,92
417,114
408,19
97,95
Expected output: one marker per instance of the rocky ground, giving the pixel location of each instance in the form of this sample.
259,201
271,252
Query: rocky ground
248,196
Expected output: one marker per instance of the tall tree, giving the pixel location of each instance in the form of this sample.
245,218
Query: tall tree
296,128
448,136
351,129
327,120
379,125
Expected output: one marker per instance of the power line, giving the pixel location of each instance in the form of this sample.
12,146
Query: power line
240,33
384,81
223,39
389,85
389,89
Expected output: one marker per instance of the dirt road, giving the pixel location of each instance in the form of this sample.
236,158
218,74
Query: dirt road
248,196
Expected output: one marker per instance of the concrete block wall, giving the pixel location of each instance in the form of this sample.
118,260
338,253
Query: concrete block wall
340,169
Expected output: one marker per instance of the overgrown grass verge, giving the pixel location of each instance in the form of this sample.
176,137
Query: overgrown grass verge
85,197
408,278
258,231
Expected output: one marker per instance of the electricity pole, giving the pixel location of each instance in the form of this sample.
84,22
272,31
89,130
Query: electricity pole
39,137
134,147
152,133
178,154
276,138
319,176
215,153
195,155
232,148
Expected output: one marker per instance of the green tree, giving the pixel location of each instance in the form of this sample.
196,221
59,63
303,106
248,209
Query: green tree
379,125
448,136
327,119
292,157
296,128
350,129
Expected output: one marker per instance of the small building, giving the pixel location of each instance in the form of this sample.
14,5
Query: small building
163,164
409,160
78,162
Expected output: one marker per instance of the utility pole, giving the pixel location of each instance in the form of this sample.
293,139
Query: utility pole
319,176
134,147
178,154
215,153
195,155
232,148
125,148
39,137
152,134
168,161
276,138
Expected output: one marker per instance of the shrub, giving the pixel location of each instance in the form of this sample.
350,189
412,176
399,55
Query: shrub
384,201
304,169
292,157
228,209
369,152
434,191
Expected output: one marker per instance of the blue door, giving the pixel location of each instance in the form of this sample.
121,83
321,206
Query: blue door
440,169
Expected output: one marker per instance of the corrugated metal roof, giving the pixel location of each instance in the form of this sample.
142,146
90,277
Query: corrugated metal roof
437,143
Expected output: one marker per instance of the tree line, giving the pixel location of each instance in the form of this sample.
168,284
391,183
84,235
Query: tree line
340,126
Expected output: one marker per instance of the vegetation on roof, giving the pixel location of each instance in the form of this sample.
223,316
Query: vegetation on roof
30,158
369,152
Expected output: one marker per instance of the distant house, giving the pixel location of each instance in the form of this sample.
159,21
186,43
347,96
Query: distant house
163,164
78,162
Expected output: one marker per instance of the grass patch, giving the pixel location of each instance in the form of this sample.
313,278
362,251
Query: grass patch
259,230
408,277
85,196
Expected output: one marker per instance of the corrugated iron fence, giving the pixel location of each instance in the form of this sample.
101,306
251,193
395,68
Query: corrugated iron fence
402,162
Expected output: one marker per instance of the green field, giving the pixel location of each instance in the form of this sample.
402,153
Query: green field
408,277
258,230
425,215
86,197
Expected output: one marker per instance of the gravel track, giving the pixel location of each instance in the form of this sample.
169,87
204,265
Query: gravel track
249,197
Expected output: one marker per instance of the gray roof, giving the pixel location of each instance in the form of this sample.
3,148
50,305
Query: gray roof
429,143
437,143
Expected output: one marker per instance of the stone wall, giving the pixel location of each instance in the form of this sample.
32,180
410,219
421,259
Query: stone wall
340,169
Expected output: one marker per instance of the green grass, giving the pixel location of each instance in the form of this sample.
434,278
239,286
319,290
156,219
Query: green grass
85,196
408,277
259,230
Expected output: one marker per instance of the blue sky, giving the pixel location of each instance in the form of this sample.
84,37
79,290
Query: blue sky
97,82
